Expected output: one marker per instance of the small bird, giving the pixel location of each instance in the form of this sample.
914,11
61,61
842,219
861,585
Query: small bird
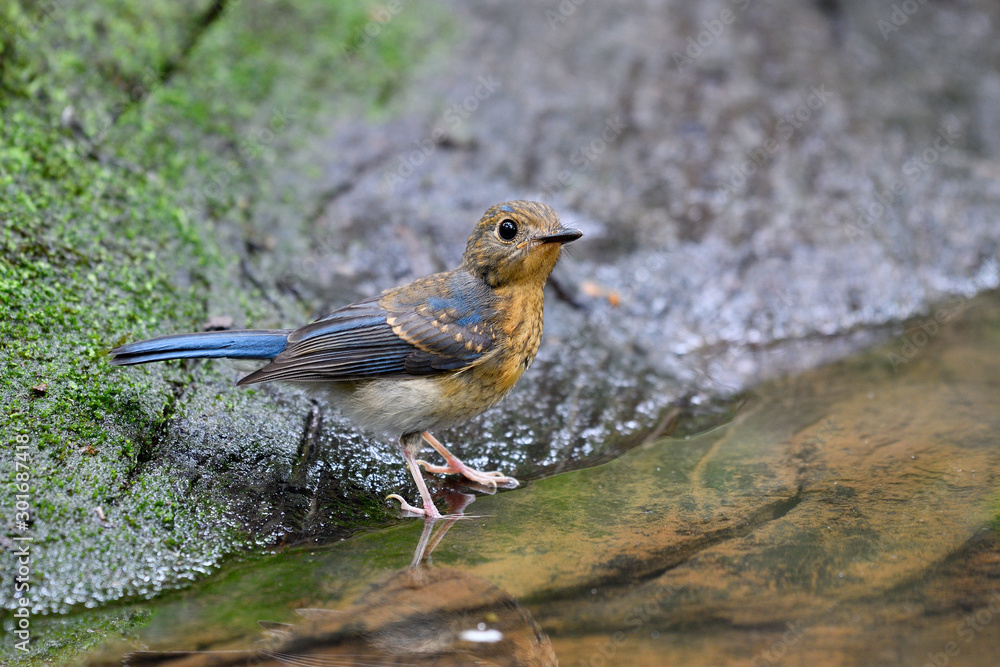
427,355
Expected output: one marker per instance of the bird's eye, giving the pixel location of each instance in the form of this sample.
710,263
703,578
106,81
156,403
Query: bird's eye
507,230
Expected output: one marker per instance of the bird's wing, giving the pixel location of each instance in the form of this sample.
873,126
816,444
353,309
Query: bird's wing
437,324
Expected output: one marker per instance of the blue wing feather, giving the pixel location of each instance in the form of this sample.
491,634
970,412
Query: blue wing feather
437,324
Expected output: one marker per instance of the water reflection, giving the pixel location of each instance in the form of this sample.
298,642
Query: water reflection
418,615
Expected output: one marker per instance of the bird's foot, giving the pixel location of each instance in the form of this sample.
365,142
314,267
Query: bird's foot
429,511
492,479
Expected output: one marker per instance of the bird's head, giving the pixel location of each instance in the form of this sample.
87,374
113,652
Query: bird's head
517,241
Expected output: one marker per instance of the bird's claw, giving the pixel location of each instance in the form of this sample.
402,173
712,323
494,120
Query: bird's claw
429,512
491,479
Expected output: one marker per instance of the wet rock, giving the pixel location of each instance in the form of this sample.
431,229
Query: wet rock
783,192
757,195
847,515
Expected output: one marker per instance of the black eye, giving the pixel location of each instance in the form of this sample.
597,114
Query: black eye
507,229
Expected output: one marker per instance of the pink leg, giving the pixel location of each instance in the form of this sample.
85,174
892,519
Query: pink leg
454,466
410,444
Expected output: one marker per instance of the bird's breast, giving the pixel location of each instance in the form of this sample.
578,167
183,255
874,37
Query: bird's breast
520,326
451,398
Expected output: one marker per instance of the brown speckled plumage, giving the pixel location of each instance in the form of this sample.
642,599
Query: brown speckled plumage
427,355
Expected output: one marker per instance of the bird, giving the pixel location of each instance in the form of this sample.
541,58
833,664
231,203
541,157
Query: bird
427,355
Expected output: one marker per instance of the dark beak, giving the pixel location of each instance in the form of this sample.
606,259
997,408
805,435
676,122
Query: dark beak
562,236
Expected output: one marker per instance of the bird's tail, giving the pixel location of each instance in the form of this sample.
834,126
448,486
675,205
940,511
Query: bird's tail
240,344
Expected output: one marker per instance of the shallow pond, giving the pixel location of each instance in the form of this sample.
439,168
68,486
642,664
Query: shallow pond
849,515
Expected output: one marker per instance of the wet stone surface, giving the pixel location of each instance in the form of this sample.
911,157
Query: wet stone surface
734,202
686,282
846,516
720,279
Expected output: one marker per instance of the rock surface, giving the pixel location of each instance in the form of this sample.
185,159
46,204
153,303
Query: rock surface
266,163
847,516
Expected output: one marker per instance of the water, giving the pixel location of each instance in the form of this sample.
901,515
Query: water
848,515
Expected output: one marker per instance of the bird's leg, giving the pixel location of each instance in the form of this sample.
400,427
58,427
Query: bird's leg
454,466
410,444
421,551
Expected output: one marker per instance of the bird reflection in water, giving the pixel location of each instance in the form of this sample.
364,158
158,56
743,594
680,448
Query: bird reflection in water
419,615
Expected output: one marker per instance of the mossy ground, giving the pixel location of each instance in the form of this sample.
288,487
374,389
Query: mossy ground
135,141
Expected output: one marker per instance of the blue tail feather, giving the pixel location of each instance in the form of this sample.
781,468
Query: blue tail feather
241,344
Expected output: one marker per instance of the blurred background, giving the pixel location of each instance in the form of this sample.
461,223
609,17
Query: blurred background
766,188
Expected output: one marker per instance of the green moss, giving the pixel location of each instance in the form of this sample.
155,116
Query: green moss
60,640
71,277
114,116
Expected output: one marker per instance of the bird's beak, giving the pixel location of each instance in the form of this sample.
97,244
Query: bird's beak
561,236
